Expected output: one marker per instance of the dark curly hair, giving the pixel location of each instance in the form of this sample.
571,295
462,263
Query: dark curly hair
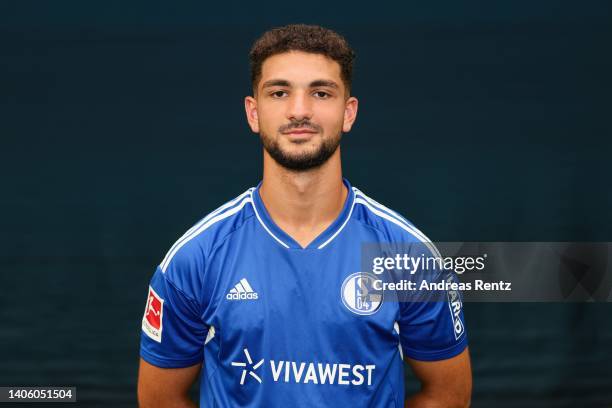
307,38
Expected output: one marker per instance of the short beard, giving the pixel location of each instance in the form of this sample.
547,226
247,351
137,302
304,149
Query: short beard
301,162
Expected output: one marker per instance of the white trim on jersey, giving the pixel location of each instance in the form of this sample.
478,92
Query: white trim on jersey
264,225
341,227
399,346
414,230
389,211
203,228
287,246
187,235
401,224
210,335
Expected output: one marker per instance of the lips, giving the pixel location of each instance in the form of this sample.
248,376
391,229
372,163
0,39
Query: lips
300,131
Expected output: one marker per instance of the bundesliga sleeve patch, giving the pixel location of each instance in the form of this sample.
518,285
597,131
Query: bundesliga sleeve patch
153,316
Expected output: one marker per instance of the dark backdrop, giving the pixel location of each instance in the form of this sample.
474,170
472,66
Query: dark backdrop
122,123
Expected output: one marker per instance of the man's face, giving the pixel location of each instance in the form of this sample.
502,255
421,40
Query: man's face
300,109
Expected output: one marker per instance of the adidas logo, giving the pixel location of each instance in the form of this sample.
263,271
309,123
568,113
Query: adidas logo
242,291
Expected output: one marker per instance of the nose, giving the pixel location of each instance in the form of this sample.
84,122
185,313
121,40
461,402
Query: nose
299,107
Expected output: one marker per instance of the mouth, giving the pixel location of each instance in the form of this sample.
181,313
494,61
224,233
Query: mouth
300,132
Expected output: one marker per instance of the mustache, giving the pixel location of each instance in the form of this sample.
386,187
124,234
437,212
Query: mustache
302,124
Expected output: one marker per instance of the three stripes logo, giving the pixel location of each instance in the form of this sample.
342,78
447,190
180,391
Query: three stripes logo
242,291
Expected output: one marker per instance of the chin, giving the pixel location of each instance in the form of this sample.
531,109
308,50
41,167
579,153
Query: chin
300,153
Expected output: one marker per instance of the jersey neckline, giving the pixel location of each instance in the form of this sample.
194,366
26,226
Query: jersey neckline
322,240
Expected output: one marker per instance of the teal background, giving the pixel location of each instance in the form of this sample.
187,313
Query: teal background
121,124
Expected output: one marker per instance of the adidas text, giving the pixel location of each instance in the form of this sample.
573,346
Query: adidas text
241,296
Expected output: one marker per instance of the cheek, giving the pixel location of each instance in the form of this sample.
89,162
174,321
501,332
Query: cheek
332,118
267,119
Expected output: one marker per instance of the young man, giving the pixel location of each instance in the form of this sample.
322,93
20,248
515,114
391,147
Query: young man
265,293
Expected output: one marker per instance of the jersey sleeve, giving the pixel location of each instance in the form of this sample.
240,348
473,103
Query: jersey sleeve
173,331
433,328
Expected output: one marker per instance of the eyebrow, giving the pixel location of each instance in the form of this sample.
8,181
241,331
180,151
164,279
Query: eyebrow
275,82
313,84
323,82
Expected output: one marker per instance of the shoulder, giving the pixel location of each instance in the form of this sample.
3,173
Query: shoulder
391,226
192,248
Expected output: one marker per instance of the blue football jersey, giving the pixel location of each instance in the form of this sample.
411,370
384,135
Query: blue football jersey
278,325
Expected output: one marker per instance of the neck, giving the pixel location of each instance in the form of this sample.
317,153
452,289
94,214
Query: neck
303,204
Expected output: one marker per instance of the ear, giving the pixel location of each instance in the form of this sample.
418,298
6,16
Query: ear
350,113
250,106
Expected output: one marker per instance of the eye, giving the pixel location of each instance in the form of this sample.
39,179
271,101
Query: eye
322,94
278,94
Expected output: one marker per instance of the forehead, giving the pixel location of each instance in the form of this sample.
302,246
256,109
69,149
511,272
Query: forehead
298,66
